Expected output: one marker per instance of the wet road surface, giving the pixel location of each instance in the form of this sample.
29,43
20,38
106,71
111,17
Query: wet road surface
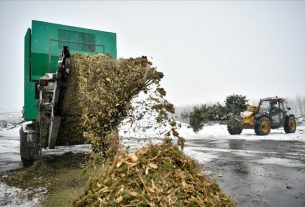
256,173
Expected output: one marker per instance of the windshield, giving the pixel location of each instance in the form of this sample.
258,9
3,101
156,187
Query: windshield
264,106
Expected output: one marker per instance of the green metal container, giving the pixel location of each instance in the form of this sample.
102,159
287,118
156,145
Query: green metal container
43,45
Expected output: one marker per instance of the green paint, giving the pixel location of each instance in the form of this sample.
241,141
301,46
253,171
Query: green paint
43,44
30,108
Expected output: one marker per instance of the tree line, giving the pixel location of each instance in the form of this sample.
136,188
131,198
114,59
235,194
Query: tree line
297,105
200,114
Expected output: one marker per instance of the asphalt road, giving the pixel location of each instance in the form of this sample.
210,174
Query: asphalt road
257,173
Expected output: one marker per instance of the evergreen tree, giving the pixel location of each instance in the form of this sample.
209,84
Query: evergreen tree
198,116
235,104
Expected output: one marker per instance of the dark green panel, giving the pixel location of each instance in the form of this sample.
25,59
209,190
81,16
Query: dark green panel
42,61
30,109
73,39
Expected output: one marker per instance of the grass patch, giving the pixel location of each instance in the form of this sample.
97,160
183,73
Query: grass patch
71,184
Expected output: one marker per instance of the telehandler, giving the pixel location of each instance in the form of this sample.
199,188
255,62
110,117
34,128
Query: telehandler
271,113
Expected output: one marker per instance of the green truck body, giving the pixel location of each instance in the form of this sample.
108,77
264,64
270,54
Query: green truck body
43,45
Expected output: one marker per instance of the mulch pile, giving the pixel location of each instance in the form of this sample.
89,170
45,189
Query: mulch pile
157,175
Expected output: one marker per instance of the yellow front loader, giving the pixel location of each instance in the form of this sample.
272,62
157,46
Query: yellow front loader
271,113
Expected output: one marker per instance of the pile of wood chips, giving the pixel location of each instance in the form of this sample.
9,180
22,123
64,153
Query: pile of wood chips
157,175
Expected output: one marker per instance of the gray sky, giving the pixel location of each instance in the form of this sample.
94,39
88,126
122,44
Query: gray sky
207,50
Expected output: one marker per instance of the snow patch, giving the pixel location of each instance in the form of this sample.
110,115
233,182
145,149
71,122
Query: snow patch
10,123
237,152
202,157
11,196
10,132
60,150
220,132
281,161
10,120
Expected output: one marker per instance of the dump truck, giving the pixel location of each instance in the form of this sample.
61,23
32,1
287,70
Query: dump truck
47,59
271,113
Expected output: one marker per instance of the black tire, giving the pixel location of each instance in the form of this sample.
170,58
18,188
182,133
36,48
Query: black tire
290,124
234,128
262,126
28,151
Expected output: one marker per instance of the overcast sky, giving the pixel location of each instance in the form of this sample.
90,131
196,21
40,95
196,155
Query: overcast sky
206,49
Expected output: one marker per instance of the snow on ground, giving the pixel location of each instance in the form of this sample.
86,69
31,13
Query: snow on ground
281,161
10,160
9,120
220,132
147,127
201,156
60,150
10,132
11,196
9,123
9,150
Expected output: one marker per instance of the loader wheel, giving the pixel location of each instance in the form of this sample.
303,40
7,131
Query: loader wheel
290,124
234,127
262,126
28,151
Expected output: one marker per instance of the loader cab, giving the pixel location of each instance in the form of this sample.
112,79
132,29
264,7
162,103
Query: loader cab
275,109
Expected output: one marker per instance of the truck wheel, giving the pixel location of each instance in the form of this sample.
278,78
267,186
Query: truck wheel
290,124
28,151
262,126
234,127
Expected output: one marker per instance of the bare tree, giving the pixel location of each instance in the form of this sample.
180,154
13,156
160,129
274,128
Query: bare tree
297,105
